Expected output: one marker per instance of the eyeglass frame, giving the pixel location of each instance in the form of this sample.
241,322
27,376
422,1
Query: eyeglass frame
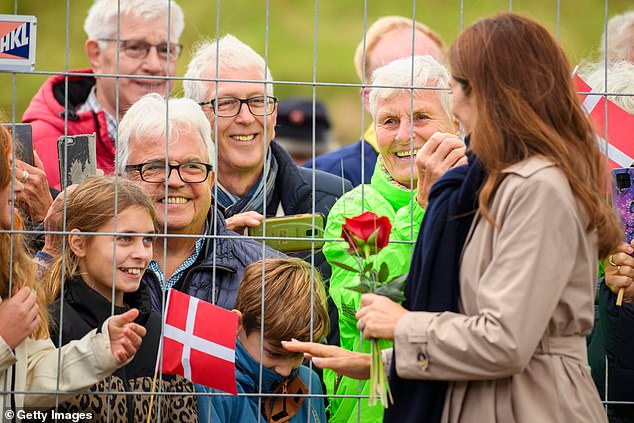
170,167
242,101
147,51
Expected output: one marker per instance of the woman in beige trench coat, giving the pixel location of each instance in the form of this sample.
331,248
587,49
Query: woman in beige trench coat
516,352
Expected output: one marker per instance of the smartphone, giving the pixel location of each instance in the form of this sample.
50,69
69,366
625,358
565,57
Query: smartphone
22,135
623,198
299,228
77,158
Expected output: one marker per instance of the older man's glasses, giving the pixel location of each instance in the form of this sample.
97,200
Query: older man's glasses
230,106
157,172
139,49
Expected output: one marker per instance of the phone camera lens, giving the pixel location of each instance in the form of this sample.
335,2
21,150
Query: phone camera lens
623,181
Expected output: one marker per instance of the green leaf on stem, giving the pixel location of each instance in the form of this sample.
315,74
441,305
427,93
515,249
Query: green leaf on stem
398,282
390,292
363,288
345,266
384,272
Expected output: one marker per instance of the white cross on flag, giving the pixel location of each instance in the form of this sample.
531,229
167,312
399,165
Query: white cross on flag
620,138
199,342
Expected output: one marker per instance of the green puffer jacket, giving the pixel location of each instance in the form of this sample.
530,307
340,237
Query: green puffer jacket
400,206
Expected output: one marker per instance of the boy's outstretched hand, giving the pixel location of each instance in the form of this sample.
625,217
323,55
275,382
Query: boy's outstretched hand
125,336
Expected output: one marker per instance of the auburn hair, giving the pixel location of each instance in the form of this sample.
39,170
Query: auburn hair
292,288
525,104
16,265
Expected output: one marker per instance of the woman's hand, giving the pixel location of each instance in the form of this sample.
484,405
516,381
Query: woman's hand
441,152
378,316
619,271
35,199
19,317
125,336
244,220
348,363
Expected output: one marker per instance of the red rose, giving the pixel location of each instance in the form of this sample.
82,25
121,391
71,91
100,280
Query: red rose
366,234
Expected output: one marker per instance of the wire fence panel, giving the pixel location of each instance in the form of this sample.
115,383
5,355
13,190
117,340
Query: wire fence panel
311,95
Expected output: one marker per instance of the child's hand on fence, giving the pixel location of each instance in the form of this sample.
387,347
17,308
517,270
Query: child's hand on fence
125,335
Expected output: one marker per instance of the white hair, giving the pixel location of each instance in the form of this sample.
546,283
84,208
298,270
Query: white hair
231,54
620,81
620,34
101,22
147,118
427,72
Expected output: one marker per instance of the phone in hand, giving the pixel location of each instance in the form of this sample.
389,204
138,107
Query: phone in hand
22,135
623,199
77,158
291,234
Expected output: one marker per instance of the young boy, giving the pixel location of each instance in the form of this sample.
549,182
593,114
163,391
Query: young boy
290,292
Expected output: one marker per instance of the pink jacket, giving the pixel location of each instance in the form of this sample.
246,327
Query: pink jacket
46,114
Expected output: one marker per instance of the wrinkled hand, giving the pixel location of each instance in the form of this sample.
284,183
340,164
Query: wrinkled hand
125,336
348,363
441,152
19,317
244,220
621,275
378,316
35,199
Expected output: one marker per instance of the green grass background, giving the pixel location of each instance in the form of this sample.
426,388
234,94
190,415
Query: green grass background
297,35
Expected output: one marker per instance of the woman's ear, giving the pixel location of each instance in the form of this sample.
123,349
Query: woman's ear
77,243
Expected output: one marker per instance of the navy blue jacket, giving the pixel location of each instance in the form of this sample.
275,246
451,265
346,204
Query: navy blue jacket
348,157
222,257
294,187
294,190
613,337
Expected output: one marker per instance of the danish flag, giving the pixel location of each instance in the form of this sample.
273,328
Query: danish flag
199,342
620,139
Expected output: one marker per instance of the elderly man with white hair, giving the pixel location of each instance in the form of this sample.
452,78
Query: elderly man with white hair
256,176
408,122
135,38
166,146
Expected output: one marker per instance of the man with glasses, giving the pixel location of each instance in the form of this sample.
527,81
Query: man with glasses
256,177
125,37
197,254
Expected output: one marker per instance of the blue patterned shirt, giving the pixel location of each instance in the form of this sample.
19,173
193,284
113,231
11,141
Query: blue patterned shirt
176,276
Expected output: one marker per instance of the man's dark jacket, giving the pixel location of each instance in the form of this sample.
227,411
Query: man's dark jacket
216,273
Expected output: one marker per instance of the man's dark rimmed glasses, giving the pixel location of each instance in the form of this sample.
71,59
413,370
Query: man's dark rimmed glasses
139,49
156,172
231,106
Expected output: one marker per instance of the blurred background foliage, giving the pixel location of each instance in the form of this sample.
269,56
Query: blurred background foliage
308,41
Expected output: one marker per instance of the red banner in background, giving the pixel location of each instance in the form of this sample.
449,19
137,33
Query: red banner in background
620,127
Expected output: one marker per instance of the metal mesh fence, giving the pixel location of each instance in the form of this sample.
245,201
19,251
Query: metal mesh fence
306,46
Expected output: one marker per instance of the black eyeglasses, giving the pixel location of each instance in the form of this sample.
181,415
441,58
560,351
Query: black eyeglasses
230,106
156,172
139,49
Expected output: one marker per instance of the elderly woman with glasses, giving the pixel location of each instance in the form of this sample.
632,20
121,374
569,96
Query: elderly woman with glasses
407,122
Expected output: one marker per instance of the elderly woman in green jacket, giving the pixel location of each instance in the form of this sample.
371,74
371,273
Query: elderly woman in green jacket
414,128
